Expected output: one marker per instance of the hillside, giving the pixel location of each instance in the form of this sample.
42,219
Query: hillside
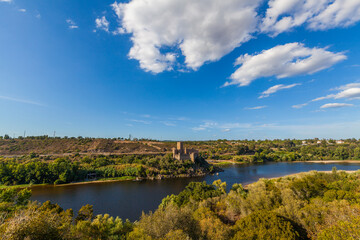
44,146
222,149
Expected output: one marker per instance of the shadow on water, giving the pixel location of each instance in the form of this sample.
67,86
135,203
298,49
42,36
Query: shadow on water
128,199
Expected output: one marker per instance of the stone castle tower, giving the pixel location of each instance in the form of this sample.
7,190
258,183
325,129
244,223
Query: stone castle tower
181,153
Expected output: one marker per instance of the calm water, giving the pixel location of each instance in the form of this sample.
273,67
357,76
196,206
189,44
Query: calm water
129,199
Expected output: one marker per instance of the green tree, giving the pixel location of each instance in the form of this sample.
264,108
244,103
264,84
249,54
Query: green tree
85,213
265,225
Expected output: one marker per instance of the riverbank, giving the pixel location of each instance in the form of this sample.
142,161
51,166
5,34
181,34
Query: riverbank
229,162
117,179
216,163
334,161
223,162
107,180
300,174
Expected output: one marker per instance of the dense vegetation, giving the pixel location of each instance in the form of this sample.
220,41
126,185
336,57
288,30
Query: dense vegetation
222,149
308,206
281,150
64,160
35,170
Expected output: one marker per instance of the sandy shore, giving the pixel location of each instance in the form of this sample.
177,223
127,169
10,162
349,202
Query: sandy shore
294,175
333,161
309,172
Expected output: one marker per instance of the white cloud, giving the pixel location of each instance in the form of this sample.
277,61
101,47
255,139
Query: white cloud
169,124
283,15
340,13
202,31
205,125
349,91
179,118
255,108
283,61
102,24
21,100
336,105
277,88
140,121
72,24
348,86
224,127
300,105
7,1
235,125
22,10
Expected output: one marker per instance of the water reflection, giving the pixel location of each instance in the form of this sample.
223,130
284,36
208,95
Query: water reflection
129,199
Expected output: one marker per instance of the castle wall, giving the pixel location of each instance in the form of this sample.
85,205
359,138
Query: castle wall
180,153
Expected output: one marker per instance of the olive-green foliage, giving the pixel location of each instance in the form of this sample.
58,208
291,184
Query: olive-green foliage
265,225
12,199
33,223
279,150
103,227
165,220
287,208
33,170
194,191
85,213
210,225
342,230
50,221
19,197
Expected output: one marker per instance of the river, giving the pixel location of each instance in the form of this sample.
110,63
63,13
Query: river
129,198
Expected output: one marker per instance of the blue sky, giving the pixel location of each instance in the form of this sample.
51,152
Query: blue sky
180,69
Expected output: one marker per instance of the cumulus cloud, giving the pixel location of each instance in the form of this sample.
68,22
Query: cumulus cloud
349,91
340,13
202,31
72,24
336,105
277,88
283,61
255,108
102,24
283,15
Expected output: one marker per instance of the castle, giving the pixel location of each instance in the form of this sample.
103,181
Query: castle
181,153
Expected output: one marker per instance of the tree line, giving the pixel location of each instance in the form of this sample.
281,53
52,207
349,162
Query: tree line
34,170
